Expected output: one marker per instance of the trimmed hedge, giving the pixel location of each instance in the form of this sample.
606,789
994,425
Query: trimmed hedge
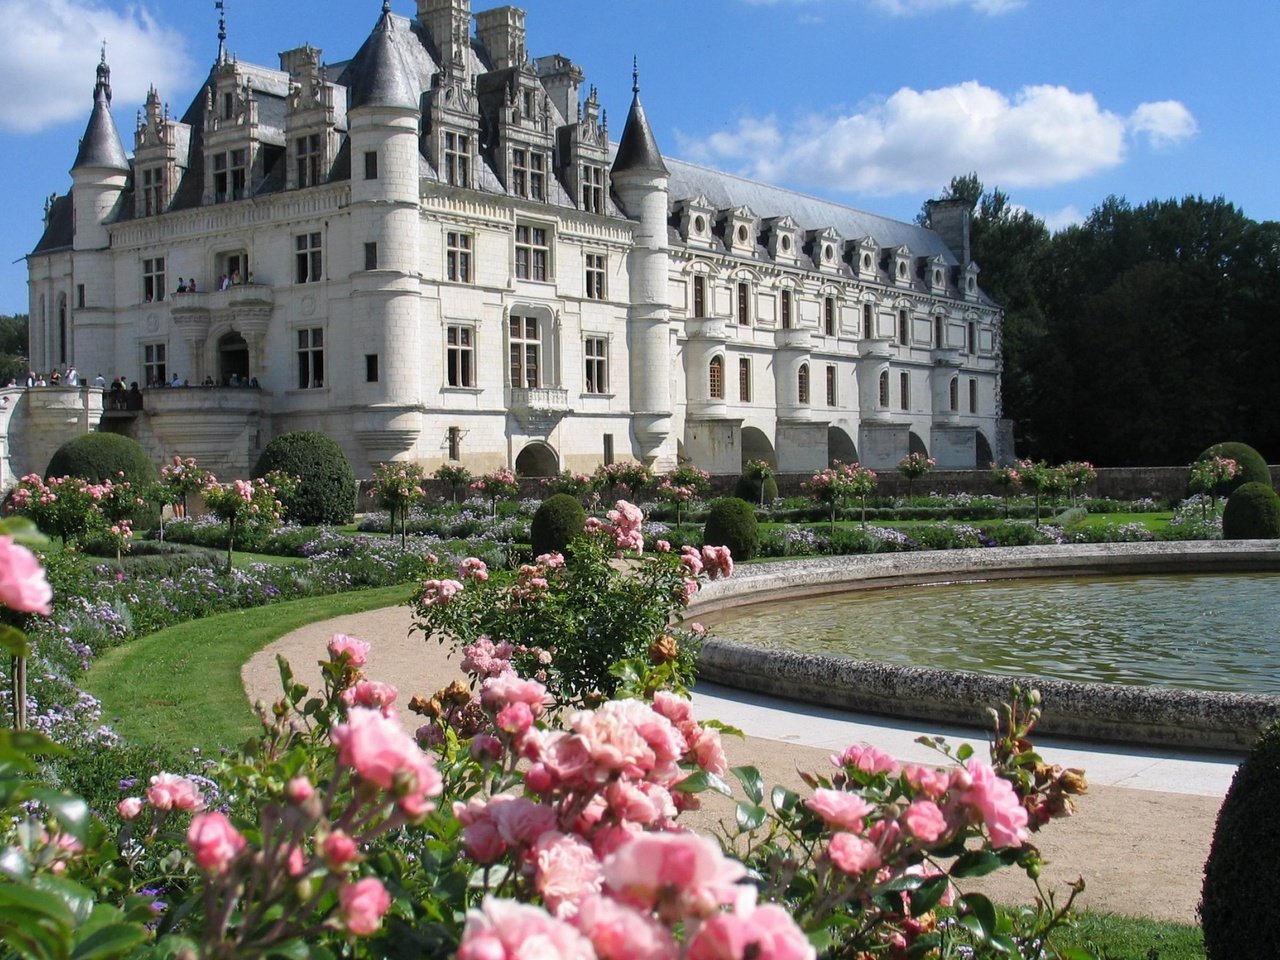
1252,513
754,490
1253,465
1241,886
557,521
326,490
731,522
103,456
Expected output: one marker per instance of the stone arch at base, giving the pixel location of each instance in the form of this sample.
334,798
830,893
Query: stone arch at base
757,446
916,445
840,446
537,459
233,357
983,456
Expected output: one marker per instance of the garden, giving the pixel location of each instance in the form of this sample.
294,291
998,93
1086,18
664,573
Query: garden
534,804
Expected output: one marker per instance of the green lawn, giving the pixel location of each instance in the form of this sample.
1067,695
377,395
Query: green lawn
1133,938
180,687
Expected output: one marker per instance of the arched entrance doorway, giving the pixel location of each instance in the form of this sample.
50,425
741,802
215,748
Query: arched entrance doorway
983,457
756,446
233,358
840,446
537,460
916,445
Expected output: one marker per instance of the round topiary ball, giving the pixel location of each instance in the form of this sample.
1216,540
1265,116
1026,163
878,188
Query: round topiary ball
103,456
1253,465
731,522
1252,513
556,522
1241,889
755,490
326,490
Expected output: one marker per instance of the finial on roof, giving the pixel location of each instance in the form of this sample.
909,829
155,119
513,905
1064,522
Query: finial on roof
222,30
635,74
104,75
386,6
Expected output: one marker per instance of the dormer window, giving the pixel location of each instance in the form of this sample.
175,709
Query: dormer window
902,270
457,159
528,174
230,175
308,159
152,191
866,261
228,105
528,104
828,253
742,234
785,243
592,188
699,225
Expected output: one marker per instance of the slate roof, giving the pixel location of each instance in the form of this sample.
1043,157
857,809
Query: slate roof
379,74
638,150
101,146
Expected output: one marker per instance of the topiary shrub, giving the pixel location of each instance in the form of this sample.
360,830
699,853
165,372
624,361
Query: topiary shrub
103,456
756,489
326,490
1253,465
731,522
1241,889
556,522
1252,513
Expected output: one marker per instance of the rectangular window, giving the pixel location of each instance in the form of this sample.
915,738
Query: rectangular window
460,356
784,309
868,322
904,333
307,258
744,303
592,188
371,165
370,368
715,378
458,256
829,316
525,344
371,256
80,295
457,159
744,380
528,174
595,276
220,178
153,279
973,395
608,449
596,352
533,253
699,295
228,106
153,365
310,358
308,159
831,385
939,333
239,173
152,191
904,391
971,340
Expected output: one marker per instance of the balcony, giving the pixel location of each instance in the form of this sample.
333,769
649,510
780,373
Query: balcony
946,357
539,409
876,348
793,338
706,328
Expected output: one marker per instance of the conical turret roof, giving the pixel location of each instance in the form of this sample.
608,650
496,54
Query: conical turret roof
101,145
381,78
638,150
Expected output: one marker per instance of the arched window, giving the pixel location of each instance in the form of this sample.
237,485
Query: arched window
715,377
802,384
884,389
955,393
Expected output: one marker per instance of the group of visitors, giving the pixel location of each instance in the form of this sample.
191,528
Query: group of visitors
56,378
225,282
118,398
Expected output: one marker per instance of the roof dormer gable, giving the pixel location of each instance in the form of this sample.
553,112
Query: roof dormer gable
694,219
864,255
933,271
739,228
783,238
823,247
898,265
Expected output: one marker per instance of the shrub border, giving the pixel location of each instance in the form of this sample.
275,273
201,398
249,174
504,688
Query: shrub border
1150,716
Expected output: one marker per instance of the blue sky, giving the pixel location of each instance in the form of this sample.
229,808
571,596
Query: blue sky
874,103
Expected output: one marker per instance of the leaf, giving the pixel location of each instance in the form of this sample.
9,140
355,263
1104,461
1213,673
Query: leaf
14,642
750,816
964,752
70,811
783,800
76,898
926,897
701,781
752,782
976,863
111,940
20,745
29,900
982,910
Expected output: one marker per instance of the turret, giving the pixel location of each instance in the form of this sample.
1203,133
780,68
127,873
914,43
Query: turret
101,169
639,178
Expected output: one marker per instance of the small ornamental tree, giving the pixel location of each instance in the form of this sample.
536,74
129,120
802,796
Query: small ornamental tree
839,483
454,474
914,466
64,507
578,485
731,522
629,475
179,479
102,456
1076,475
558,520
1041,479
683,485
1006,478
496,485
1252,466
241,503
1211,475
756,483
398,487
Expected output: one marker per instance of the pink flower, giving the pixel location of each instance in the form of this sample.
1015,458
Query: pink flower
338,849
682,875
840,808
692,560
567,871
497,692
129,808
23,585
515,718
924,821
994,800
853,854
357,651
761,933
662,546
867,759
437,592
371,693
380,752
362,905
473,567
214,842
632,738
717,561
169,791
619,932
929,781
299,790
506,930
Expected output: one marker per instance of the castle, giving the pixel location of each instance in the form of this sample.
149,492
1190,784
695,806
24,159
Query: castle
434,251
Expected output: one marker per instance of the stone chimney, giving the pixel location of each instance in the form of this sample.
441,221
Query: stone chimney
448,24
501,31
950,220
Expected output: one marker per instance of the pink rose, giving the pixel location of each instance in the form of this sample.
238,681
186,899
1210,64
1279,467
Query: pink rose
371,693
766,933
299,790
929,781
682,875
378,749
214,842
506,930
619,932
497,692
129,808
867,759
362,905
996,803
23,585
839,808
356,651
632,738
169,791
515,718
338,849
567,871
853,854
924,821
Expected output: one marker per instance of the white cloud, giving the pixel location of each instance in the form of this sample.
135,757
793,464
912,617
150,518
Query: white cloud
1165,124
1068,216
915,140
49,50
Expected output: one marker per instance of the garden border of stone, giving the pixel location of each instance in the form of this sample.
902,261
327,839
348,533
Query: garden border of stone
1153,716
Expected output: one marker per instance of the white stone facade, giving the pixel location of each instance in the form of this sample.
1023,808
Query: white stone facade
440,257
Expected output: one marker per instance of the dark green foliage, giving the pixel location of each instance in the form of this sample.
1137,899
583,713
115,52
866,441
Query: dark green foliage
104,777
1252,464
731,522
1241,887
326,490
754,489
1252,513
103,456
13,347
557,521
